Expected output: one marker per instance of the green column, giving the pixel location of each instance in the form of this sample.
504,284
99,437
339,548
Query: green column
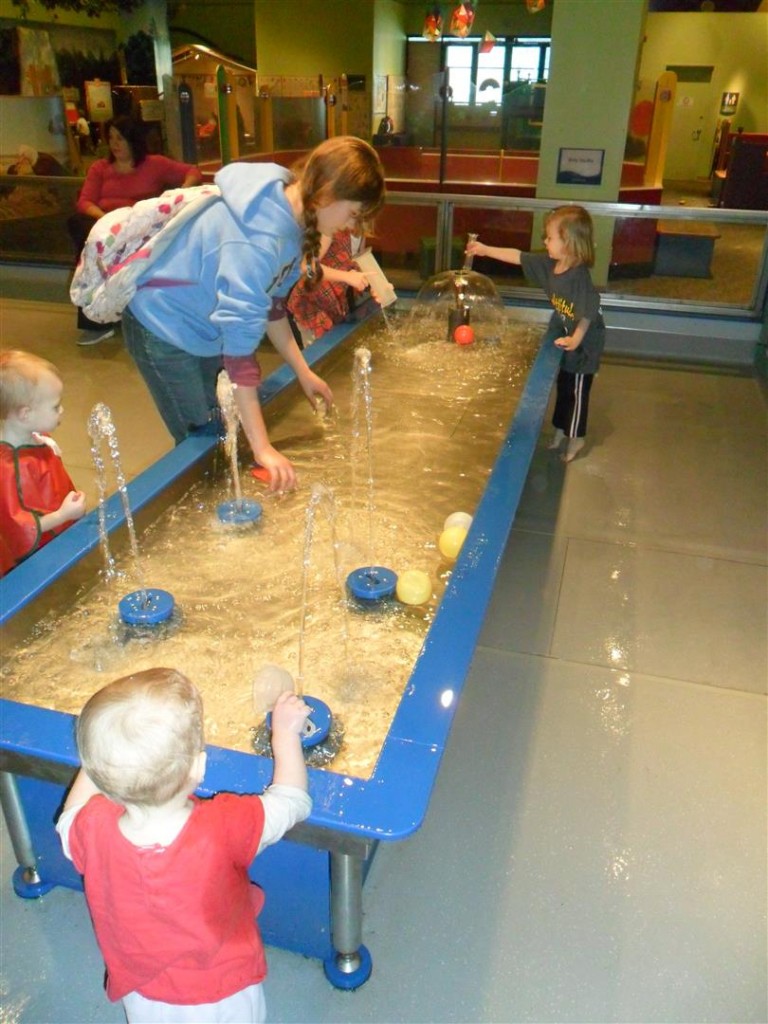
593,69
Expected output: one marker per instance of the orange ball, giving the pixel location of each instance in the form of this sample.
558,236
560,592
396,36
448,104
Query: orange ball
463,335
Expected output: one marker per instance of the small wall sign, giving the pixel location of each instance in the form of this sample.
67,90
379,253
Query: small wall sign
580,166
729,103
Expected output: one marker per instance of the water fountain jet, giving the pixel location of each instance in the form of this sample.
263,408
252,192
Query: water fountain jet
239,511
323,732
369,583
145,607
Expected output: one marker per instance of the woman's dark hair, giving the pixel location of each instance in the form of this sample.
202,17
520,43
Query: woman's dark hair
133,133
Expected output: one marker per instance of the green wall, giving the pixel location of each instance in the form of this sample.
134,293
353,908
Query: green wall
222,25
388,38
312,37
737,46
595,46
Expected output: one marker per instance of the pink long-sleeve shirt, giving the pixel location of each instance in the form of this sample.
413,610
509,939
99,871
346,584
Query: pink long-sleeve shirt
109,189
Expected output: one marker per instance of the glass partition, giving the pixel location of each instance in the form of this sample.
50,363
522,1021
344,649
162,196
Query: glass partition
33,218
695,260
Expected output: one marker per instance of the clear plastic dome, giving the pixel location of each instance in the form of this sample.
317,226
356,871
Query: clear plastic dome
457,297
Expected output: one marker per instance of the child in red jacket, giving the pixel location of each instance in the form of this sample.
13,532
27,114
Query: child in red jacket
37,498
166,873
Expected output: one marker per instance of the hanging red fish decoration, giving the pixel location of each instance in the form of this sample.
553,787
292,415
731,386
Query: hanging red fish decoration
462,18
433,25
488,42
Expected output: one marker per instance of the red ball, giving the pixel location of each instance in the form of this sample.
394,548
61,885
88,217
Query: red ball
463,335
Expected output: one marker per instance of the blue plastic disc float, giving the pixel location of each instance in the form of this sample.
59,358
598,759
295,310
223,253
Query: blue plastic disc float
372,583
239,511
318,723
146,607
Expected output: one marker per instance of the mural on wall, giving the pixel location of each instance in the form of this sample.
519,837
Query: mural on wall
33,135
38,60
39,74
71,56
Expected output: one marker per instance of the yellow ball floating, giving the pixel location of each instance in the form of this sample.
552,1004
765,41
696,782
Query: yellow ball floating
413,587
450,541
463,519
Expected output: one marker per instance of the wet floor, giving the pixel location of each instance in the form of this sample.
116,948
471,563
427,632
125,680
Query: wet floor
595,849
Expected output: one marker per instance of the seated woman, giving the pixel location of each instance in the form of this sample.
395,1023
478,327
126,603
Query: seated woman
315,308
126,176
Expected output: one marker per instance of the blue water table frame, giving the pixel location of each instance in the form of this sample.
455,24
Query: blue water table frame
314,877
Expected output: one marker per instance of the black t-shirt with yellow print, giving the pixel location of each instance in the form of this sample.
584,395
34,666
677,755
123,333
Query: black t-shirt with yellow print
573,298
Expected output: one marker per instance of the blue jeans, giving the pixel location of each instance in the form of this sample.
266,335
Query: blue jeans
183,386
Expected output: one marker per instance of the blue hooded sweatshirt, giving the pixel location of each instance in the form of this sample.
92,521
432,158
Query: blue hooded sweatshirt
210,292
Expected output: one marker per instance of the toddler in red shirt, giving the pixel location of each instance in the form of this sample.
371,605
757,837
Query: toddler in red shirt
37,498
165,872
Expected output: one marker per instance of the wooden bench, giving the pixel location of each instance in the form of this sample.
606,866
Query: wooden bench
684,248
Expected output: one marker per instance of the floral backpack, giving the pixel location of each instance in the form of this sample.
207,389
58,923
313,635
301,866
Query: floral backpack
122,245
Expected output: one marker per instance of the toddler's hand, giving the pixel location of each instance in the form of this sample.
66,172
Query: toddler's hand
73,507
568,343
290,713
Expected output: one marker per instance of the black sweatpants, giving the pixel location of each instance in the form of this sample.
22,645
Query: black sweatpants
572,404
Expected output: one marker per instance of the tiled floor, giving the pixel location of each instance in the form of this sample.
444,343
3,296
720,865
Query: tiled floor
596,845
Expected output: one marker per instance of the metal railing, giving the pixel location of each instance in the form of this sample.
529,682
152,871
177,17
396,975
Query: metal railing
670,259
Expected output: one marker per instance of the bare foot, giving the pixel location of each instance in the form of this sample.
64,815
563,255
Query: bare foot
575,444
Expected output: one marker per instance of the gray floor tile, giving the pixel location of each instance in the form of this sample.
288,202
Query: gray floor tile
664,613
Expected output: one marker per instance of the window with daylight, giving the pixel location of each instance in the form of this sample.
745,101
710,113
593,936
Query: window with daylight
479,78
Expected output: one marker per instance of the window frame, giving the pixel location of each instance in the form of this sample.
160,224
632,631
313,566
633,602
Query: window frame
542,43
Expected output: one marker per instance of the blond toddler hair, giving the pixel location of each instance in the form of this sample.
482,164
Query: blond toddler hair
20,375
138,737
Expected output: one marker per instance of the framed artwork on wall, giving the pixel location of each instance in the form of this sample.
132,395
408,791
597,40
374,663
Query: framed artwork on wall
98,99
379,94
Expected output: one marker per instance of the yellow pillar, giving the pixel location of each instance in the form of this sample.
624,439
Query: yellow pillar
661,125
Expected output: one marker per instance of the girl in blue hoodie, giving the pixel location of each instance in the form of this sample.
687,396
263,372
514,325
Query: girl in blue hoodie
207,300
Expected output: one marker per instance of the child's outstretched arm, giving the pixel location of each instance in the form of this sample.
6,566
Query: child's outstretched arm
288,718
286,801
496,252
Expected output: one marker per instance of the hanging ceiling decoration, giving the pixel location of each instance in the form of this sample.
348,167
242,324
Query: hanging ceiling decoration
462,18
488,42
433,24
534,6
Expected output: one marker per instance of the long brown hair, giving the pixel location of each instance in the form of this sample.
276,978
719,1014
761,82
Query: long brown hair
342,168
